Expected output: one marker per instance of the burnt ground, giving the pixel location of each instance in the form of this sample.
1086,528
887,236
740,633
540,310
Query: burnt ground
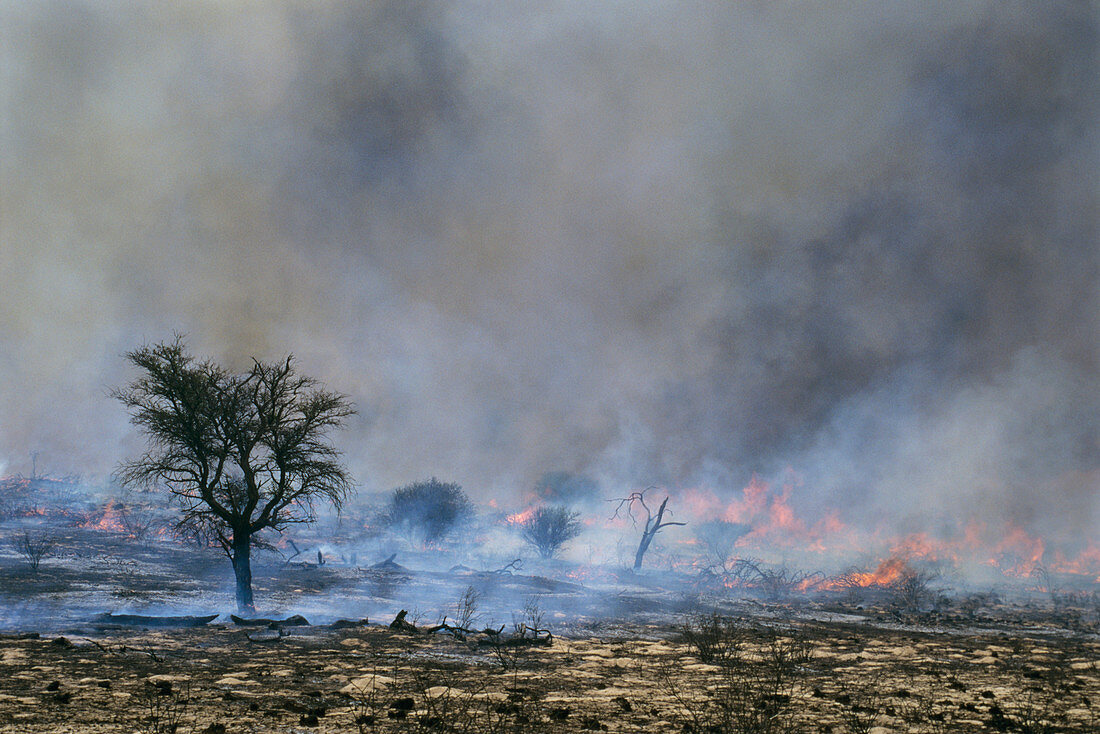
628,654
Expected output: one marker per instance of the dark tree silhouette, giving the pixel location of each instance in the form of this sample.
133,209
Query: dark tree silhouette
240,453
564,487
653,523
428,510
550,528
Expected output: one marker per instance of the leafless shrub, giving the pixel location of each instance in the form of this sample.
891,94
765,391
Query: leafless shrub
929,715
138,520
124,574
718,539
460,710
755,690
548,529
864,707
749,697
974,602
528,630
716,639
852,583
370,697
467,606
1039,706
789,653
907,587
775,583
912,590
33,545
529,620
165,706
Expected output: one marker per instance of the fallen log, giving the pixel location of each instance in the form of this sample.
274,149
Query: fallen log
341,624
517,641
140,620
400,624
295,621
488,637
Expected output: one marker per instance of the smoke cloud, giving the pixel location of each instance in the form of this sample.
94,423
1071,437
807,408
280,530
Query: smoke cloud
670,243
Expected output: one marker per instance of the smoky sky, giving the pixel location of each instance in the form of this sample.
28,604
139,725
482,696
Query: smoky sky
660,244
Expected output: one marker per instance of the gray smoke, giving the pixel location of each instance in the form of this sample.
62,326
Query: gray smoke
669,243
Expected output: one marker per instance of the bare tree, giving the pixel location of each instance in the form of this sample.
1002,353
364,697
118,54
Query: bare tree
239,453
653,523
550,528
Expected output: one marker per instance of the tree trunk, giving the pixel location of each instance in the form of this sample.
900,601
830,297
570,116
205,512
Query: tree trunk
643,546
651,528
242,569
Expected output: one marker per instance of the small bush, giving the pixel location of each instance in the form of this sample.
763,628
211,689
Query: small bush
428,511
550,528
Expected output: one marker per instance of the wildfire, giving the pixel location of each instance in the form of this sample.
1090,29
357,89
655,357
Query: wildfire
519,518
773,522
769,514
109,520
888,571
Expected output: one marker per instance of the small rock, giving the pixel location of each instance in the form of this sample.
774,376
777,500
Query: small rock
366,684
230,681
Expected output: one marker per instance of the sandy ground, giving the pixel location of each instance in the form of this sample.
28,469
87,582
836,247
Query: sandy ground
629,654
845,677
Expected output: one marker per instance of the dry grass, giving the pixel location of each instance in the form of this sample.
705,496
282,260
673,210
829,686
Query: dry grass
767,678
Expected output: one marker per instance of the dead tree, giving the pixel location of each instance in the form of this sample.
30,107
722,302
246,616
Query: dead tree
653,523
240,453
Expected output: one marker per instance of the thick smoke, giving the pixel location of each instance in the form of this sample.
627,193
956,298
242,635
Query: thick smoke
660,244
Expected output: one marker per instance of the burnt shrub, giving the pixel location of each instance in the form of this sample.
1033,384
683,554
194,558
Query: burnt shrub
429,510
913,590
548,529
33,545
716,639
751,691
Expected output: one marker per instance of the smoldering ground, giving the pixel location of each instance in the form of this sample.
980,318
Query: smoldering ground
673,244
